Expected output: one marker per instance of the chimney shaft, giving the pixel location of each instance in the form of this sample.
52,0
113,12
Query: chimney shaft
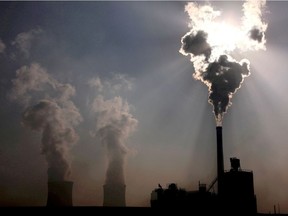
60,193
220,161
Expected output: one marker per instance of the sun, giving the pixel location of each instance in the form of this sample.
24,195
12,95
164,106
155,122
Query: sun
223,37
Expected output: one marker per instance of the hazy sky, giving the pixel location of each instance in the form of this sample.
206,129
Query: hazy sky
133,49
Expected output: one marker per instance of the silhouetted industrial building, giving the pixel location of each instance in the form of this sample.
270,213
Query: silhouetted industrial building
174,197
114,195
235,190
238,190
59,193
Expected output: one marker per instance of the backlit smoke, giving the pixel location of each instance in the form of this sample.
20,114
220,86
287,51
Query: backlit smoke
210,43
54,117
114,124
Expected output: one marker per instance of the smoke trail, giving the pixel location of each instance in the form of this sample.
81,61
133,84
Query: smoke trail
29,79
210,43
2,46
114,124
54,117
23,41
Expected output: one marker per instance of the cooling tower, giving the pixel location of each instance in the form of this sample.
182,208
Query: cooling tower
220,161
60,193
114,195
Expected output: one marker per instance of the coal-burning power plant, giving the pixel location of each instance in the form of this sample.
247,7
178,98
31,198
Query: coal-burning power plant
60,193
235,187
210,51
235,190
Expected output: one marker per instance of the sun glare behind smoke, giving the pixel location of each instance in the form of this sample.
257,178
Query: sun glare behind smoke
210,44
223,37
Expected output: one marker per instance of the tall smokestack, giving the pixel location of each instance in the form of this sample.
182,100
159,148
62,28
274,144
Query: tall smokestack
220,161
114,195
60,193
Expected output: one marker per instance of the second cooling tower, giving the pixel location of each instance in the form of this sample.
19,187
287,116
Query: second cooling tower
114,195
59,193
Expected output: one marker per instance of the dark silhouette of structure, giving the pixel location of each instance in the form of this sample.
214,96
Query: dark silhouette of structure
114,195
220,160
60,193
238,190
235,190
174,197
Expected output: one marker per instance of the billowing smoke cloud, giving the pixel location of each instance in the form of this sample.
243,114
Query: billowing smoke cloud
114,124
23,40
29,79
55,117
209,43
2,46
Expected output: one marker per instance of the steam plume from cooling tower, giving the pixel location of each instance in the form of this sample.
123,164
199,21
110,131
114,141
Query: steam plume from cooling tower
114,124
209,43
54,117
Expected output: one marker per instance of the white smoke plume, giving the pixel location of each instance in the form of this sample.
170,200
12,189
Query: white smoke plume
96,83
23,40
29,79
55,117
2,46
210,43
114,124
